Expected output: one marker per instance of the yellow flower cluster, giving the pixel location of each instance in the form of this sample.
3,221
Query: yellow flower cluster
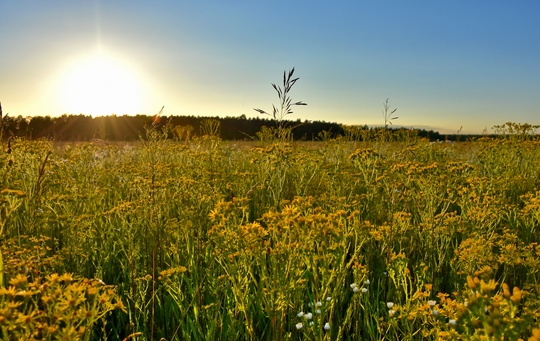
55,307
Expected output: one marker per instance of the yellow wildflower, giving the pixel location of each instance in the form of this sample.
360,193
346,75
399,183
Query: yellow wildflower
535,335
506,290
19,281
487,287
516,295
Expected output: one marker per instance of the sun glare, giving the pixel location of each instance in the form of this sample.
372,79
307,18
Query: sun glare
100,86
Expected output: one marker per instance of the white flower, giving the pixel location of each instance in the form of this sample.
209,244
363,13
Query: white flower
328,298
390,305
391,312
355,289
299,325
367,282
327,326
364,290
300,314
431,303
353,285
318,311
308,316
318,304
452,322
311,323
435,312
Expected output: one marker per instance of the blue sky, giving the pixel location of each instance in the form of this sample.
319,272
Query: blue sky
443,64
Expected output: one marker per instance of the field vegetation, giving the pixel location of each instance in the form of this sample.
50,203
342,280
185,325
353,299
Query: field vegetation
337,239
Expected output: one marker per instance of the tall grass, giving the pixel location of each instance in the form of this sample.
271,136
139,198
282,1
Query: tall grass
213,240
285,105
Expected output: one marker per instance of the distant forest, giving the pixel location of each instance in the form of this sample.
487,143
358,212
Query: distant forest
130,128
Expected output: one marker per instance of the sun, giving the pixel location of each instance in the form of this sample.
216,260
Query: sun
100,85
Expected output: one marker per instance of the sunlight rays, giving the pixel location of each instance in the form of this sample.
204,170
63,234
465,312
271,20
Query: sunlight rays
100,85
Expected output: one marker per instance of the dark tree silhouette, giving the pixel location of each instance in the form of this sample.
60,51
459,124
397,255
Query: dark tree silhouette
131,128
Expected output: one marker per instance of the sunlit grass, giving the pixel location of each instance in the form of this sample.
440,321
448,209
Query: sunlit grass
208,240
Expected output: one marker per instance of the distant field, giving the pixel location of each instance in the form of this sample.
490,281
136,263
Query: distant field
214,240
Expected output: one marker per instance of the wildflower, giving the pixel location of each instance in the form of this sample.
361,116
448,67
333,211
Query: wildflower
435,312
391,312
390,305
353,285
364,290
19,281
308,316
300,314
355,289
452,322
318,311
67,277
24,293
471,282
13,305
299,326
367,282
431,303
516,295
328,299
327,326
318,304
120,305
11,291
25,319
506,291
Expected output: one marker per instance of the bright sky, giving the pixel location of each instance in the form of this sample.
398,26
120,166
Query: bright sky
443,64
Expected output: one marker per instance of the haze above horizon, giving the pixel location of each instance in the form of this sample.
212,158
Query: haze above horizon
443,65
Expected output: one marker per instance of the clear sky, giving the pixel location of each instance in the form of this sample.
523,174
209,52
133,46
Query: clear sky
443,64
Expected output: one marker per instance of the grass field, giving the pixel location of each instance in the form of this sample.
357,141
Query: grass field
214,240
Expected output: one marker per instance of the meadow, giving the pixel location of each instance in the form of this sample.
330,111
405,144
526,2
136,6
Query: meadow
205,239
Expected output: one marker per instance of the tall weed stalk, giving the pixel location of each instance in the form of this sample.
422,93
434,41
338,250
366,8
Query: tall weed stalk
285,104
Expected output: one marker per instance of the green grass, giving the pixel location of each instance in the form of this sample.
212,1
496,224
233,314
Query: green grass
213,240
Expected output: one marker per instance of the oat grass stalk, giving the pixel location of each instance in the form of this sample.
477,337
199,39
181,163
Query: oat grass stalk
286,104
387,114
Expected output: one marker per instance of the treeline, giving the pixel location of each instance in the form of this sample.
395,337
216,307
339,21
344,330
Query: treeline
130,128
